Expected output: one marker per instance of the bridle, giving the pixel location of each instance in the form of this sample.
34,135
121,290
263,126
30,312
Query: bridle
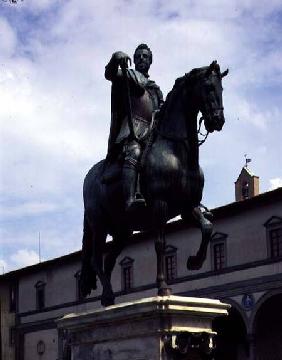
201,142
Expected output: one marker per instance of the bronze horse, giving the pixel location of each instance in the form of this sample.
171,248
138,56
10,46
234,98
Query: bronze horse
171,181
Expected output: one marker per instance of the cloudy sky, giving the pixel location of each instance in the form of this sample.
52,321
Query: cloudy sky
55,102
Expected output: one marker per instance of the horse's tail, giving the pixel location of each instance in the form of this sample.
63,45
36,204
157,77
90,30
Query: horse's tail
88,279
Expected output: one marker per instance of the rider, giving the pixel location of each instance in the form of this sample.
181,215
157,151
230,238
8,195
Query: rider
134,98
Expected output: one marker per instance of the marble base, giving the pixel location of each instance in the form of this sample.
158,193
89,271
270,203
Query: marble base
155,328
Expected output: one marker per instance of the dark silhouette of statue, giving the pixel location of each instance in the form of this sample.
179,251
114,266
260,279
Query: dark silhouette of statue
171,179
134,99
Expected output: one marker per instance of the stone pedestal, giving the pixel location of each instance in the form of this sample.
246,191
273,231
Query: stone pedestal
157,328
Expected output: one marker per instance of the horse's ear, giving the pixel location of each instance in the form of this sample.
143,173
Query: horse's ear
211,68
224,73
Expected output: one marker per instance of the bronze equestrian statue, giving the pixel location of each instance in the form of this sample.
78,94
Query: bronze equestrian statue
171,179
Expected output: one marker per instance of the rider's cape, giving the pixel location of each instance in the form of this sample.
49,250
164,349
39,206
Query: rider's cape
143,104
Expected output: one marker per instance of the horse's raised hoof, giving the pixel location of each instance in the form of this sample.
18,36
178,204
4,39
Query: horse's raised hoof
193,263
208,215
164,291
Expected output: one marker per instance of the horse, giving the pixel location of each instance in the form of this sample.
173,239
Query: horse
171,181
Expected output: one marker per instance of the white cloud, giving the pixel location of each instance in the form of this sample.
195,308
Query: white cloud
8,39
275,183
28,209
3,267
23,257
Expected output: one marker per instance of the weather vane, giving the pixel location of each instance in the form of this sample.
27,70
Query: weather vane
247,160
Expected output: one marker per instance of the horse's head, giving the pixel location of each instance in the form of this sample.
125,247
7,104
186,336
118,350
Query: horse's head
208,92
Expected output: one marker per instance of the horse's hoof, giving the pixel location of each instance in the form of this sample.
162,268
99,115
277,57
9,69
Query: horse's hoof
164,291
107,301
193,263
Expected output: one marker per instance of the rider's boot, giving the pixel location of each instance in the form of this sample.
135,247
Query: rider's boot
133,199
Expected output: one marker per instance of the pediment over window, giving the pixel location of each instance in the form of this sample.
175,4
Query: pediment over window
274,220
77,274
39,284
126,261
219,236
170,249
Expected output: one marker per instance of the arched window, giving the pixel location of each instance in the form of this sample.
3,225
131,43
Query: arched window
274,237
170,262
126,274
218,251
40,295
79,296
13,296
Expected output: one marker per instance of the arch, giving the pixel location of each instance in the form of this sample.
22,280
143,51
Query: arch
232,338
260,302
266,326
240,310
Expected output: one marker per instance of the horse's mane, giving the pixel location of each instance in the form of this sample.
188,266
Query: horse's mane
188,79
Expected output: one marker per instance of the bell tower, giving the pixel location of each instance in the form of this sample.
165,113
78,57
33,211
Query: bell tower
247,184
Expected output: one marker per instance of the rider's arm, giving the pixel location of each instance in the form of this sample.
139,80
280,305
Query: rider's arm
111,70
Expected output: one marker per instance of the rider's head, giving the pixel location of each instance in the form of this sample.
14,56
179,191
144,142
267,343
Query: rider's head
143,58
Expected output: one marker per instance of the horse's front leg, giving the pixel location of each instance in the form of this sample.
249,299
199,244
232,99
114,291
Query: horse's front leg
98,240
163,289
196,262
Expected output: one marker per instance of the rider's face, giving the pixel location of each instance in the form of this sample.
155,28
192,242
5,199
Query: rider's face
142,60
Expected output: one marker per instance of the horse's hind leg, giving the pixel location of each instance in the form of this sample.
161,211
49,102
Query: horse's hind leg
195,262
160,219
119,241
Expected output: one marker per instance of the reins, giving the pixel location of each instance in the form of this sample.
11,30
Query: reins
200,142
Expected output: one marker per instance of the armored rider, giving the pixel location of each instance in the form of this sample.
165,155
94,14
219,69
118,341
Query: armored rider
134,99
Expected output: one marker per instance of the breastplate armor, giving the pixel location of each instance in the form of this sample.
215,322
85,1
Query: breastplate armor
142,109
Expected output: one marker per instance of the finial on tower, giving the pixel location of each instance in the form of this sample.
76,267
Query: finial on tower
247,160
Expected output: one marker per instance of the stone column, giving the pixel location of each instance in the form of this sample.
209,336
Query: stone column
159,328
252,349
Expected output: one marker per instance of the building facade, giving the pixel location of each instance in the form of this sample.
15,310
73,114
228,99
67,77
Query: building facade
243,268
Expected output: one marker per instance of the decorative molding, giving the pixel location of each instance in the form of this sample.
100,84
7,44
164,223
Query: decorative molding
37,325
126,261
263,283
218,236
39,284
273,221
170,249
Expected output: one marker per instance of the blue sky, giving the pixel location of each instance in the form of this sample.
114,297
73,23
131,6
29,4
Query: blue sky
55,102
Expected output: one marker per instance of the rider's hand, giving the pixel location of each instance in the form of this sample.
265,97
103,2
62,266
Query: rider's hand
122,59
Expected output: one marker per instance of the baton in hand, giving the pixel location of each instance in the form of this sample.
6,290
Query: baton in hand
128,101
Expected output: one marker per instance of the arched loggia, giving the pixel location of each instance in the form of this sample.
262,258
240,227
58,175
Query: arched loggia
267,328
231,339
